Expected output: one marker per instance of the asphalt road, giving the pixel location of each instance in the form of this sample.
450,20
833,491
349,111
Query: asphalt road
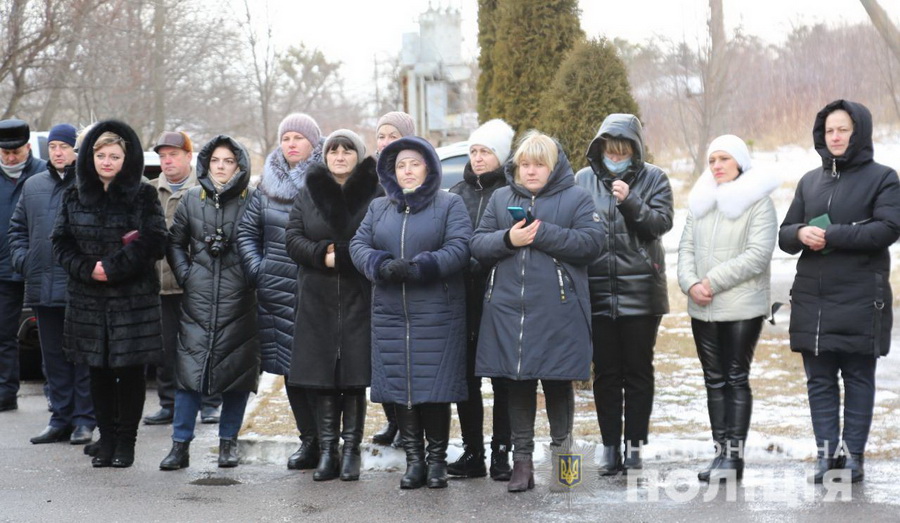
56,483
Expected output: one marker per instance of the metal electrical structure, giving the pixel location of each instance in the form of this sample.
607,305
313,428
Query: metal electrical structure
432,69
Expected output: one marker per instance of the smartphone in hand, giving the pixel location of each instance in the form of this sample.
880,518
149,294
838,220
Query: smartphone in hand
518,214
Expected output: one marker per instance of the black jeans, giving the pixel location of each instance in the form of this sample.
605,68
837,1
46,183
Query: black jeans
858,374
623,375
725,349
165,371
559,397
12,293
69,384
471,411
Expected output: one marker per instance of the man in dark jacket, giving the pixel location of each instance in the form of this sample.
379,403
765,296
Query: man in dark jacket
16,165
68,384
175,151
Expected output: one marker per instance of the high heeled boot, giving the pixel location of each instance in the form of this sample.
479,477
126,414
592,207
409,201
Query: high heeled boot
409,424
354,409
328,420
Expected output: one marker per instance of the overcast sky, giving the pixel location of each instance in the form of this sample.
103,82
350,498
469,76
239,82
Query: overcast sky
358,31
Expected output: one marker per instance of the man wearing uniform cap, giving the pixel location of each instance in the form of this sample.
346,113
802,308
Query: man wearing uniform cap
175,151
68,384
16,165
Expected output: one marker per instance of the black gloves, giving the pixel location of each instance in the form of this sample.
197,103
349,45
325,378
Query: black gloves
394,271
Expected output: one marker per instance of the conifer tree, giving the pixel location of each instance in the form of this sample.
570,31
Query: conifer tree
590,84
487,30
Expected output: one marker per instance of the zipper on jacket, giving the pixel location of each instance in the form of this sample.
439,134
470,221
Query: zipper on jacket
709,257
478,211
522,299
406,312
836,175
611,239
339,319
490,290
214,309
561,280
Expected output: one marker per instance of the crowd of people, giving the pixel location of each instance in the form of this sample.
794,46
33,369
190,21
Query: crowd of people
343,271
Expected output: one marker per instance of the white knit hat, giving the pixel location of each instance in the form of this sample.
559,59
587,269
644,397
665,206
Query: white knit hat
496,135
734,146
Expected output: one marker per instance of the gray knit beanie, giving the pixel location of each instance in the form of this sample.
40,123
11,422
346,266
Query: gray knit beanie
402,121
354,139
300,123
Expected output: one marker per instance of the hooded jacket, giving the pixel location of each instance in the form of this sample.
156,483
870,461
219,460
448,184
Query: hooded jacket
418,327
628,278
10,190
841,298
29,237
269,269
334,304
218,345
114,323
536,319
476,192
728,238
169,200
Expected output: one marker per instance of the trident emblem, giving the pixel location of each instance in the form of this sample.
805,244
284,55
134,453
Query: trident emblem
569,469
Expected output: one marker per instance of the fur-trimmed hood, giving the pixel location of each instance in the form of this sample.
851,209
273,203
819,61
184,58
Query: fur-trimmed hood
281,183
337,202
238,182
421,197
731,198
127,182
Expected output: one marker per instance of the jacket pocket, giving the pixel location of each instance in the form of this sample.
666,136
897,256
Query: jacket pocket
490,287
878,315
654,267
563,280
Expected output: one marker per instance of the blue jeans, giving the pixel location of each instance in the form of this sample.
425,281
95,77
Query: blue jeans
187,405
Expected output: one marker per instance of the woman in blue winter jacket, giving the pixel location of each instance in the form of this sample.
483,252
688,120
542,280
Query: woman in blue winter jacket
536,322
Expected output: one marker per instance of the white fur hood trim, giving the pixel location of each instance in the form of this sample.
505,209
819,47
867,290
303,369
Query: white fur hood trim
731,198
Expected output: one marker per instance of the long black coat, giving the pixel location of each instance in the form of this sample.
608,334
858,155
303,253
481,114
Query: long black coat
841,301
218,344
114,323
29,237
418,328
628,278
334,304
476,192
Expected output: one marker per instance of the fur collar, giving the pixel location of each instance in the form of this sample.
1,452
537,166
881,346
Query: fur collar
734,197
281,183
338,203
126,184
421,197
238,183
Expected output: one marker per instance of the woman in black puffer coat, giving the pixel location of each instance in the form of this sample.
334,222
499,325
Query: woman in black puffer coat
413,245
333,356
113,312
218,345
844,217
261,243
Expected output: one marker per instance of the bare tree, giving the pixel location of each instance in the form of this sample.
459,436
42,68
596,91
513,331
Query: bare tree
884,25
29,28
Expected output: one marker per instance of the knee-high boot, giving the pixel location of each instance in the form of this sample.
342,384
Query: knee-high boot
354,408
104,398
436,422
717,406
328,421
131,392
410,426
303,406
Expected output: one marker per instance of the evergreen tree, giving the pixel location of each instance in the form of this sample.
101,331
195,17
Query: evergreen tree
487,30
591,83
531,39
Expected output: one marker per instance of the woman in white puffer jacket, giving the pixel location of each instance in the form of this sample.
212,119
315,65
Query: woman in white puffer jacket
723,266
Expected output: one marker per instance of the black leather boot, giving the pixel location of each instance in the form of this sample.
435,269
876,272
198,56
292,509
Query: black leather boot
408,422
104,400
500,467
522,476
228,453
470,464
716,462
611,463
854,463
732,464
131,395
354,407
178,458
104,455
716,404
307,456
303,406
388,433
328,421
823,465
436,422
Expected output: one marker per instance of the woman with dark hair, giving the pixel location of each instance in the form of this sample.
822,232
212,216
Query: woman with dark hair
333,356
536,319
413,245
218,345
844,217
109,233
261,243
629,293
723,266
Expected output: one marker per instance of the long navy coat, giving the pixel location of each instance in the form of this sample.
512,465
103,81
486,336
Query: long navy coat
536,322
418,328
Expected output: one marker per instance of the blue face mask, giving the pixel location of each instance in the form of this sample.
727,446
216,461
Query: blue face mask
617,167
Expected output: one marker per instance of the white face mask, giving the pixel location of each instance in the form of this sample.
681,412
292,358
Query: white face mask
14,171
